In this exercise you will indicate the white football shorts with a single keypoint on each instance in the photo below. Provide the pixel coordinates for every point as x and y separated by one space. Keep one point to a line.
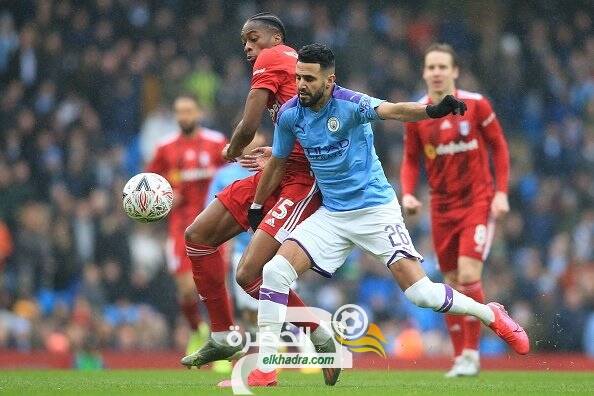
329 237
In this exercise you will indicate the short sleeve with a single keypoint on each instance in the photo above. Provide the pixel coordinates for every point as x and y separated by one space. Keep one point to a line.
268 73
366 109
284 138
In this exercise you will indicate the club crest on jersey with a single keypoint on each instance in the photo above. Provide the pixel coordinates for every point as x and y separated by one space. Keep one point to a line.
333 124
464 127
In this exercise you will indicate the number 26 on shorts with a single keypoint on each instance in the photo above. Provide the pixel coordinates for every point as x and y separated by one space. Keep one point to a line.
397 235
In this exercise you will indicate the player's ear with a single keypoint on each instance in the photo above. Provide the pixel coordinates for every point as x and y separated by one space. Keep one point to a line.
277 38
330 80
456 72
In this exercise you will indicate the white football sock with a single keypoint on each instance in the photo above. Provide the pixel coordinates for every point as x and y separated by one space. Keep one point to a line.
277 276
442 298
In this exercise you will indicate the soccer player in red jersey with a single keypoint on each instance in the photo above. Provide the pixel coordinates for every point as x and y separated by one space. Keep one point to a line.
188 160
465 200
273 83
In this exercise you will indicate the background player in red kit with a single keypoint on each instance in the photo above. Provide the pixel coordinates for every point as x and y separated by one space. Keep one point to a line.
273 83
188 160
464 199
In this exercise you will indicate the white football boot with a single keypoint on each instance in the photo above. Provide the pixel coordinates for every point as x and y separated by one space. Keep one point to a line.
466 365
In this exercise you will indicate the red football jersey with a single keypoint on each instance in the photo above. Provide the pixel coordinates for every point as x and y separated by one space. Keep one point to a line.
274 70
189 163
455 149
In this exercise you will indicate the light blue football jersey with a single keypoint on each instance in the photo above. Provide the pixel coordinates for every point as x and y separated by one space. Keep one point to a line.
338 142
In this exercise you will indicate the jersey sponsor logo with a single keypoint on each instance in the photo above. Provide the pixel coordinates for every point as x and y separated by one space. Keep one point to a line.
445 124
430 151
327 152
451 148
189 175
464 127
333 124
259 71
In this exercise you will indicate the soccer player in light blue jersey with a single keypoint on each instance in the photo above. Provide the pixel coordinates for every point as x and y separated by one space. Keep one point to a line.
359 205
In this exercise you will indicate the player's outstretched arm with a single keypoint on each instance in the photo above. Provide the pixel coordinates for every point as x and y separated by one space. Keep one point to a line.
244 132
272 176
413 111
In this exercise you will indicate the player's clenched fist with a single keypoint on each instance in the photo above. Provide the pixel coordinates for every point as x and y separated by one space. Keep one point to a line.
499 205
411 204
449 104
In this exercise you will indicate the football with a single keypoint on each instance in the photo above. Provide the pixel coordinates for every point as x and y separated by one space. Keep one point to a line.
147 197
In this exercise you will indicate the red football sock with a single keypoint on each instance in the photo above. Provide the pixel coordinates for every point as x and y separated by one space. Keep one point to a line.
472 326
253 289
455 324
190 310
209 274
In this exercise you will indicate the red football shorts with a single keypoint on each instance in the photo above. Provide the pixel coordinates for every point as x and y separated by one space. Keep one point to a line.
462 232
175 250
294 200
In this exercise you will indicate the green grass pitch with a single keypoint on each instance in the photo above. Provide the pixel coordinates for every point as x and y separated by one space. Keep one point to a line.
294 383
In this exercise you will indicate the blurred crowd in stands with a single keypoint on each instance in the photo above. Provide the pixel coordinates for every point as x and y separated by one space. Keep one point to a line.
87 88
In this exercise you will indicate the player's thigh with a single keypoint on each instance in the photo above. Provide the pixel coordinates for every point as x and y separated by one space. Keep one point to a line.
295 203
381 231
213 226
320 238
261 249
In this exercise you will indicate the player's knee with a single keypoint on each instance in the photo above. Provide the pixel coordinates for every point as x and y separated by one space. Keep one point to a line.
191 234
185 294
425 294
468 276
243 277
469 270
278 272
451 278
196 233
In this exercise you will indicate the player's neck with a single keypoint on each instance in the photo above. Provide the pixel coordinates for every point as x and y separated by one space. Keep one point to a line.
436 97
190 134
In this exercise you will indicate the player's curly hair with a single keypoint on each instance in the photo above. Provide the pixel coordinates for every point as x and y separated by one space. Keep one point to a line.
271 21
316 53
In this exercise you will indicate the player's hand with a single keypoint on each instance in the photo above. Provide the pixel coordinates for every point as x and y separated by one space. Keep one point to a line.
255 217
411 204
499 205
256 159
229 155
448 105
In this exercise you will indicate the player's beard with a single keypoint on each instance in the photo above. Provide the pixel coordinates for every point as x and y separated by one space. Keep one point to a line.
188 128
313 99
